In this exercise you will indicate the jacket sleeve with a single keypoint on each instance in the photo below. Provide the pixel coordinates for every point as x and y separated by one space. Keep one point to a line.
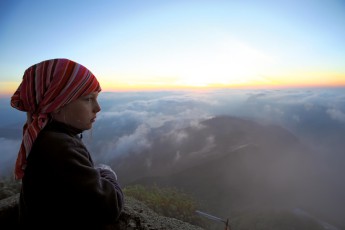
110 176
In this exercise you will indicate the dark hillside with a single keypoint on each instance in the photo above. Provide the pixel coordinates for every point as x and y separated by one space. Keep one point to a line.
233 166
216 138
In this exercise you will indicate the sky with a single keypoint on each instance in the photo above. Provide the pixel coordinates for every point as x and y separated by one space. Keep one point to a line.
174 44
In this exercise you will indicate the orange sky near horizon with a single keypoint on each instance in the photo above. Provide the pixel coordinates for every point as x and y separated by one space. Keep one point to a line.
170 83
303 79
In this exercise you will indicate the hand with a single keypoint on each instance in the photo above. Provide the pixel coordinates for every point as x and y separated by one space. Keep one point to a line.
103 167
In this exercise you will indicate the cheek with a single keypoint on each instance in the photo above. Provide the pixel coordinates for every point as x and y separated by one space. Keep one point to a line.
79 113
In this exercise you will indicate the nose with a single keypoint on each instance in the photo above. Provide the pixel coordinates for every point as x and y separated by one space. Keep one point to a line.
97 107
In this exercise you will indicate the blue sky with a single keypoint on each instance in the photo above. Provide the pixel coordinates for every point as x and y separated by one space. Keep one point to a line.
162 44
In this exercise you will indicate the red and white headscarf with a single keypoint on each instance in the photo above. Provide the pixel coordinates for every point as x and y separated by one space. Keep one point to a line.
45 87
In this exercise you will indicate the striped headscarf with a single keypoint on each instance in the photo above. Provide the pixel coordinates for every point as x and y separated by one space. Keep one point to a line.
45 87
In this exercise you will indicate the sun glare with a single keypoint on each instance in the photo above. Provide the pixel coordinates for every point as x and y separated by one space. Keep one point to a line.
227 63
223 64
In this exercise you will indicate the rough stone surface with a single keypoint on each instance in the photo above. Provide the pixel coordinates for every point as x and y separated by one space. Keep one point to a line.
136 216
9 212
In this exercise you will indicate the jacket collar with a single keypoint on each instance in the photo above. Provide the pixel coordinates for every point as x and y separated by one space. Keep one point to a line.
62 127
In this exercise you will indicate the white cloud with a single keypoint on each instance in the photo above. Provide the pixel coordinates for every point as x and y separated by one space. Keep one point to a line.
296 118
308 106
336 114
134 142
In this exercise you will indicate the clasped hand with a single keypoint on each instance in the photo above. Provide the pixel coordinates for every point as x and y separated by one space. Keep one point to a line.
104 167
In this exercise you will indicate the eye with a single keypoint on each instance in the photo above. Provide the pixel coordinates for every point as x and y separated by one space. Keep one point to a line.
88 98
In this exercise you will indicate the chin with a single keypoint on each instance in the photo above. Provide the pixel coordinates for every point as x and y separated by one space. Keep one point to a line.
85 127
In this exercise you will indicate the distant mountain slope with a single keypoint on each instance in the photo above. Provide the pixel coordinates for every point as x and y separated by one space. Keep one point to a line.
233 165
218 137
255 168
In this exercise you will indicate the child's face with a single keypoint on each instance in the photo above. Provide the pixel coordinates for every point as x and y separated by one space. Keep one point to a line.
80 113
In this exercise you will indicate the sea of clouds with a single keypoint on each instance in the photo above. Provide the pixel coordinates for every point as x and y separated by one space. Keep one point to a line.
315 115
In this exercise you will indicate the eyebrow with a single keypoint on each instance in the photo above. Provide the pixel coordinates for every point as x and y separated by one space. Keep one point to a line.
92 94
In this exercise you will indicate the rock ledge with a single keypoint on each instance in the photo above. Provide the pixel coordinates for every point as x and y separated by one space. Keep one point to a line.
136 216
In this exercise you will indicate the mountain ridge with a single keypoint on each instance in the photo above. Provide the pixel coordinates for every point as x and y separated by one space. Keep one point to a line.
233 165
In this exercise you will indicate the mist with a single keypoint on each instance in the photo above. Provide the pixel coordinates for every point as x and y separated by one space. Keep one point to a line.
280 147
315 116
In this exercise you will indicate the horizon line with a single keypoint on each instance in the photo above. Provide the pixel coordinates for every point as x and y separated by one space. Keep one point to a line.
203 88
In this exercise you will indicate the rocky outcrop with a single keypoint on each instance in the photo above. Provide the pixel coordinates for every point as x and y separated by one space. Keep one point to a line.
9 212
136 216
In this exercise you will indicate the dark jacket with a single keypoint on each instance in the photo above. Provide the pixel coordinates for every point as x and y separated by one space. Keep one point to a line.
61 189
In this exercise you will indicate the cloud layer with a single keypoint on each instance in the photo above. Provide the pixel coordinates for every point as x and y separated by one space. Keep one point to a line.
127 120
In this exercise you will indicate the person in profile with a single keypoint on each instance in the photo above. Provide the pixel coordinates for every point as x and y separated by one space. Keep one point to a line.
61 187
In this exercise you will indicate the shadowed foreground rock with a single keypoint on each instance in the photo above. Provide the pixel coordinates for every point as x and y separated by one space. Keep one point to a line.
136 216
